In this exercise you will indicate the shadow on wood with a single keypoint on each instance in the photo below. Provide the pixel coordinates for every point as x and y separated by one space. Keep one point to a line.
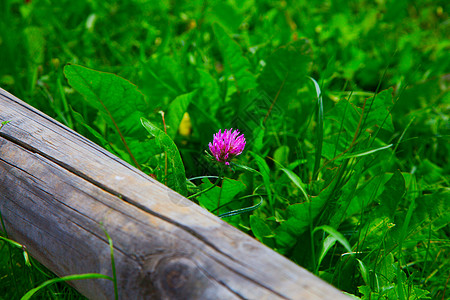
56 187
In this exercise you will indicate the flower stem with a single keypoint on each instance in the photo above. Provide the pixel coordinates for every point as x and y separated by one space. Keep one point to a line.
220 192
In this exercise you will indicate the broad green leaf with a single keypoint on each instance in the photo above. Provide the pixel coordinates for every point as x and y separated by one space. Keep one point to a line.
175 112
100 138
298 218
417 293
258 141
118 102
162 80
377 111
386 269
210 200
374 231
335 234
301 211
177 175
286 235
393 193
343 204
430 171
366 194
281 155
226 14
285 72
235 63
434 208
209 92
345 114
260 228
336 143
365 291
204 124
348 116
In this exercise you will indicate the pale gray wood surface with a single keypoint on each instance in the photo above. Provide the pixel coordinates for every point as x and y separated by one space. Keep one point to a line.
56 187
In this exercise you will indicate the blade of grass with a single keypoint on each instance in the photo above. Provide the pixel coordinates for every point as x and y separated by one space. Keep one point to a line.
241 211
11 242
201 177
31 292
297 181
265 172
364 271
319 129
238 166
113 264
365 152
336 234
328 242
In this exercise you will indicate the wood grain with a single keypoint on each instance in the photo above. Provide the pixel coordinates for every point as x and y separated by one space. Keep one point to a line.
56 187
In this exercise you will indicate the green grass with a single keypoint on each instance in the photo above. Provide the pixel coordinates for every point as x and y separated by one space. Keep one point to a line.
352 167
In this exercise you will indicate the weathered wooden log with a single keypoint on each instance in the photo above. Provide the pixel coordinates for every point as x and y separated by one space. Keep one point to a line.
56 187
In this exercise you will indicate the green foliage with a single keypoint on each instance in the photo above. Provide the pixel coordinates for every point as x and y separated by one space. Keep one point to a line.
352 168
393 192
176 167
260 229
3 124
220 196
119 105
176 110
285 71
236 65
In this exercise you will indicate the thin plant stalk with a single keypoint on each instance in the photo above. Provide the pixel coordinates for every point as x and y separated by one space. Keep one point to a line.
113 263
221 188
319 130
165 152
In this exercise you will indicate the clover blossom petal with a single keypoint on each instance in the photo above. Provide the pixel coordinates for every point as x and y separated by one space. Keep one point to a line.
226 145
